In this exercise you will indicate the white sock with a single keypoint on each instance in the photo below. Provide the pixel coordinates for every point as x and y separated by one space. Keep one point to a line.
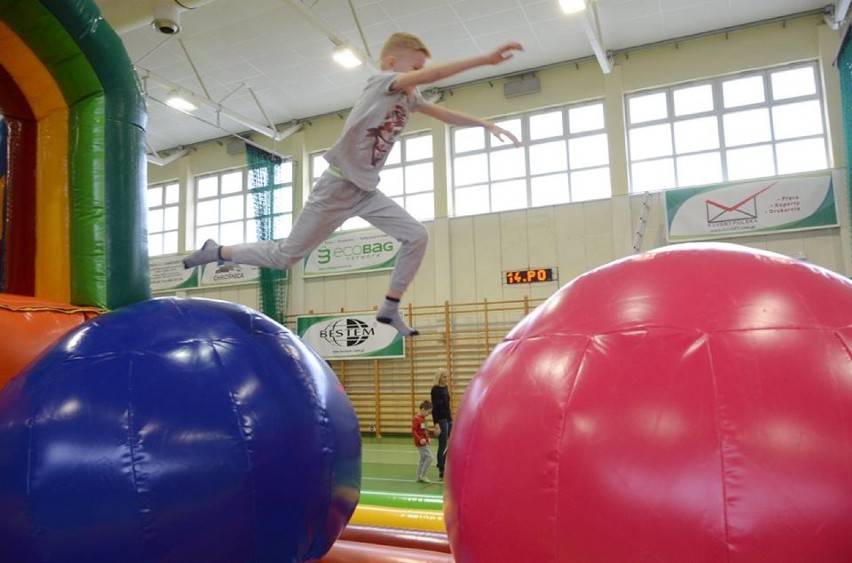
388 313
209 252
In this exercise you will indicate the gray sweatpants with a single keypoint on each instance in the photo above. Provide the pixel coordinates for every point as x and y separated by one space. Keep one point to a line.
332 201
424 462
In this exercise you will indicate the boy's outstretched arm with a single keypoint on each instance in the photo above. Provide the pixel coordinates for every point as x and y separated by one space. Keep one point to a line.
452 117
439 71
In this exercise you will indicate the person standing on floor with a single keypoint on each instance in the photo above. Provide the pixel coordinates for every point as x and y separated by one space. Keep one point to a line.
442 414
349 187
420 432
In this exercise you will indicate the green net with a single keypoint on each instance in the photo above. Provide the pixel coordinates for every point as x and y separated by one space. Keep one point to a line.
264 171
844 66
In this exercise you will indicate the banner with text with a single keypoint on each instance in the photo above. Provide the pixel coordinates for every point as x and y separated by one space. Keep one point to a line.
750 208
350 337
168 273
229 273
350 252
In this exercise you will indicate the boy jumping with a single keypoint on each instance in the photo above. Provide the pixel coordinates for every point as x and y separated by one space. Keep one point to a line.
348 187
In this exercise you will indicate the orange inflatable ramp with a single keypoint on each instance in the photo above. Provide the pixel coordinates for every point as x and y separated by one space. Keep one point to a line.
29 325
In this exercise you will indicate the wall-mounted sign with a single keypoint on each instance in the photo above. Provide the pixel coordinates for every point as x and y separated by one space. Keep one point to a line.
168 273
792 203
350 337
530 275
350 252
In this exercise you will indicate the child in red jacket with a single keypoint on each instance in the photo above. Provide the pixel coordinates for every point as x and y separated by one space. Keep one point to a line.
420 432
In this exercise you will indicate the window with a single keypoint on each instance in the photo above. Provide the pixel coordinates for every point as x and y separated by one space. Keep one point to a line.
163 212
225 209
753 125
407 178
564 158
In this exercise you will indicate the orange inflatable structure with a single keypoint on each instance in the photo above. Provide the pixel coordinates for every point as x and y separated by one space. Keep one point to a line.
29 325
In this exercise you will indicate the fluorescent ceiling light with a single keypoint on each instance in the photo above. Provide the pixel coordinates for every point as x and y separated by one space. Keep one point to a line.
572 6
178 101
345 56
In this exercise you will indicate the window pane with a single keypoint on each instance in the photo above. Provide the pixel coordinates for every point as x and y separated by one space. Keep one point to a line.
318 165
586 118
231 208
172 194
511 125
395 156
792 83
258 176
391 181
421 206
797 120
204 233
590 184
548 157
743 91
419 178
155 220
651 141
208 187
508 163
207 212
418 148
695 99
508 195
283 173
747 127
282 200
699 169
231 233
546 125
648 107
281 226
692 135
653 175
588 151
170 220
472 200
751 162
353 224
469 139
170 242
550 190
232 182
154 196
155 244
801 156
251 230
471 169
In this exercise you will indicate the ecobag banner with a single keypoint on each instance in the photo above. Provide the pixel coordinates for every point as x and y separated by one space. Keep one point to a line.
348 252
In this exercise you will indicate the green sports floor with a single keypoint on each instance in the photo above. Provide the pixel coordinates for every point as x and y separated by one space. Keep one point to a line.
389 465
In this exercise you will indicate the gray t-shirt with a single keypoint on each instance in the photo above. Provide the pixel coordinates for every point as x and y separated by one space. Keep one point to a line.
373 125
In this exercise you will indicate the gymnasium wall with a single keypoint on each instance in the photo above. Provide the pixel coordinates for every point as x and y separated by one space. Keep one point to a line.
467 255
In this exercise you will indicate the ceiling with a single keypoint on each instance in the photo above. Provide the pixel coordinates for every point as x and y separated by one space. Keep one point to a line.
268 61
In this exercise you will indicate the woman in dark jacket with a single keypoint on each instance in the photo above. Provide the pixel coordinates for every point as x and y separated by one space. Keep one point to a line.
442 414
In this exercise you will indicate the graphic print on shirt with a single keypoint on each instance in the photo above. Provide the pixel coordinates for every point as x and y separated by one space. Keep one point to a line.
387 133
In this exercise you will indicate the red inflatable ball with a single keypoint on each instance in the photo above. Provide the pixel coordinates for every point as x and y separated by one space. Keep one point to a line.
692 403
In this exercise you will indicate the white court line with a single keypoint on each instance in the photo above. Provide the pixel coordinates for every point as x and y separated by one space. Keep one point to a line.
398 480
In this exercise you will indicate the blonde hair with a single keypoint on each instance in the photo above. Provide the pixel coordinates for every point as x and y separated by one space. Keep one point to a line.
403 40
439 373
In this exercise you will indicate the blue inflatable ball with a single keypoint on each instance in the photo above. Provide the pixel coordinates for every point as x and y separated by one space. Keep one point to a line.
176 431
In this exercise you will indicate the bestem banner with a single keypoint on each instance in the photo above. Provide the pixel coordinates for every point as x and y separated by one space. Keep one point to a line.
792 203
350 252
350 337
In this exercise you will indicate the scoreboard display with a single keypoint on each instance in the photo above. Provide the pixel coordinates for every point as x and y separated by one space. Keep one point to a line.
530 275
